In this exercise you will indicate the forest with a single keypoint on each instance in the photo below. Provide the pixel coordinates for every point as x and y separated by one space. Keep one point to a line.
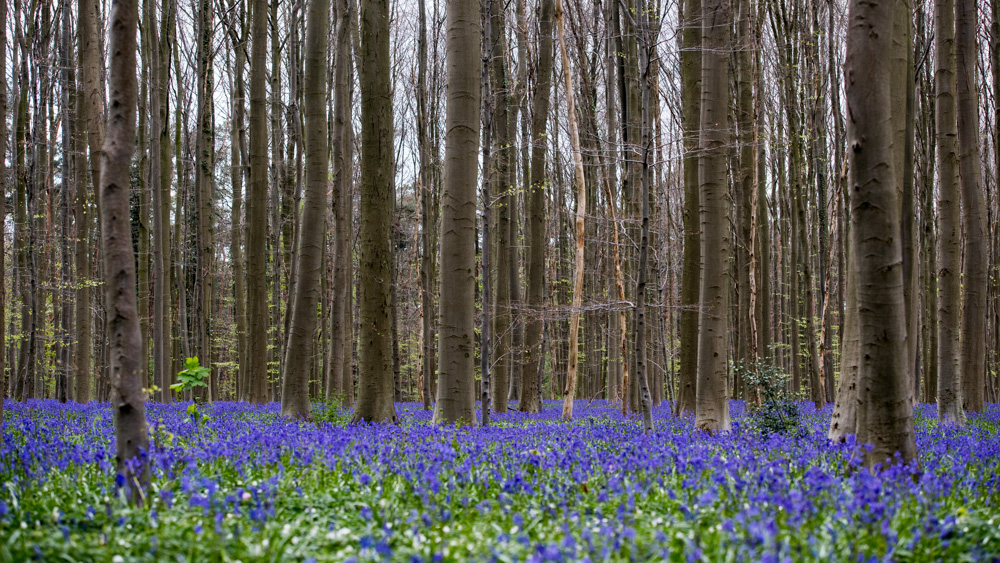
538 280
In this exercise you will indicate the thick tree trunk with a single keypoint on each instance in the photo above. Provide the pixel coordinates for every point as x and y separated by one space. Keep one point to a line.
885 419
974 273
127 397
712 395
309 257
375 387
456 317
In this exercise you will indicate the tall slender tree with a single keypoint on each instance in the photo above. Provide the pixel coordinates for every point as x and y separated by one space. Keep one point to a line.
569 392
690 40
948 268
92 114
257 314
974 266
128 400
311 238
530 399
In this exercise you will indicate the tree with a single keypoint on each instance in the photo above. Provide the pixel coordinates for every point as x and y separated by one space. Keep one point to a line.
712 397
428 212
340 309
569 393
974 273
205 232
949 382
309 258
530 401
92 115
456 317
3 190
257 316
690 41
375 388
885 420
125 340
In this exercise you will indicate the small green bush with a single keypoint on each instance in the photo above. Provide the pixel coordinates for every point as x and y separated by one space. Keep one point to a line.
778 411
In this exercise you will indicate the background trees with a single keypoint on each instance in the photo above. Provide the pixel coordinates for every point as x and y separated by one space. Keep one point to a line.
749 219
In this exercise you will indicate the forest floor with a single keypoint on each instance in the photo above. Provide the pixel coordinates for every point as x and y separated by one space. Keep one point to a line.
238 482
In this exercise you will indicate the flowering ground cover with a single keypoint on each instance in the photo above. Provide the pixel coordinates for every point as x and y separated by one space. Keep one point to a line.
245 484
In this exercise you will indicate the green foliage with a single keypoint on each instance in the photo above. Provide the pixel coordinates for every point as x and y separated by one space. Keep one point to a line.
193 375
331 412
778 412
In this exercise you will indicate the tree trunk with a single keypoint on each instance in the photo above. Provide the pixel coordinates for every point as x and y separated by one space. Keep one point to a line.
949 245
456 317
205 234
885 419
257 313
974 273
691 58
530 399
712 400
340 308
646 48
127 397
375 387
569 391
500 101
3 190
427 217
309 257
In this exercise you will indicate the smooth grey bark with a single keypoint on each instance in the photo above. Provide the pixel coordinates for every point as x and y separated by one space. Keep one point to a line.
311 238
949 244
456 316
712 395
690 39
974 266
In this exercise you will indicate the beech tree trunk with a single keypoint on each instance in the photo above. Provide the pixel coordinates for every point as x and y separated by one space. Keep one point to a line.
530 400
974 266
949 244
128 400
340 306
309 257
375 386
885 419
257 210
690 39
712 395
456 402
